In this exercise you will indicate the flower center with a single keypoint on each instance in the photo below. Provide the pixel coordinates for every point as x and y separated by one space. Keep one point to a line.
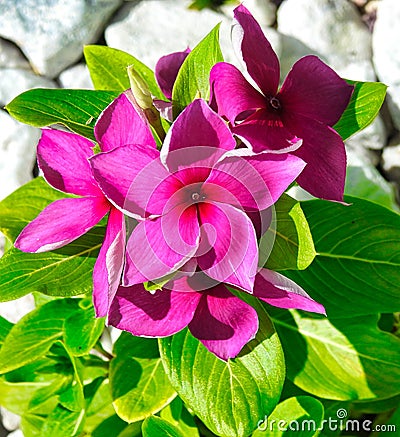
275 103
195 196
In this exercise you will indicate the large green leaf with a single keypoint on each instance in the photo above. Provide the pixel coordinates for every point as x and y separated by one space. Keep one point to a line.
364 106
155 426
139 385
178 415
357 267
293 247
62 423
342 359
108 69
299 416
76 109
193 77
229 397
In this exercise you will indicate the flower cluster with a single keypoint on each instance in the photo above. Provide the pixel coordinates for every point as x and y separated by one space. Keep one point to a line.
198 205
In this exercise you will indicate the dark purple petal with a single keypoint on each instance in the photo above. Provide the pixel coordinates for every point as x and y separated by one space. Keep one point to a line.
109 264
250 42
63 158
324 152
279 291
314 90
223 323
60 223
198 136
234 96
167 69
142 313
120 124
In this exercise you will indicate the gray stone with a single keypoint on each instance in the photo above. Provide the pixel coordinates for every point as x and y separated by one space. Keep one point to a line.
391 161
333 30
10 420
386 38
10 56
17 153
373 136
150 29
76 77
264 11
51 33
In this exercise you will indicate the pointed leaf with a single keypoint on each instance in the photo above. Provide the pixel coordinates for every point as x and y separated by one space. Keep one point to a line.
193 77
155 426
76 109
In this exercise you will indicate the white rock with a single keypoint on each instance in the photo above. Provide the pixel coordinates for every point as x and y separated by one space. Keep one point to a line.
16 81
16 433
386 38
150 29
10 420
373 136
264 11
11 57
391 161
51 33
332 29
17 153
76 77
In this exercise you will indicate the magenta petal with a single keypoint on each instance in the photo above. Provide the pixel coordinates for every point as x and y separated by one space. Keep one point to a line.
228 249
279 291
60 223
167 69
120 172
324 152
142 313
234 96
161 246
120 124
63 158
223 323
250 42
314 90
254 182
201 142
108 268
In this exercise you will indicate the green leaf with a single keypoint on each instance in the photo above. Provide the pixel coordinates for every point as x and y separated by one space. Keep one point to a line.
193 80
155 426
364 106
357 267
139 385
229 397
76 109
32 337
62 423
5 328
342 359
177 414
108 69
293 247
299 416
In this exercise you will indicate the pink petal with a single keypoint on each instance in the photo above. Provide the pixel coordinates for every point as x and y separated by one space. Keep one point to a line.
252 182
60 223
63 158
167 69
165 109
128 176
161 314
234 96
161 246
120 124
223 323
250 42
279 291
228 249
198 136
324 152
265 130
314 90
108 268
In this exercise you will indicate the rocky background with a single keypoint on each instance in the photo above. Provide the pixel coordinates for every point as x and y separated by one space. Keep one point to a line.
41 45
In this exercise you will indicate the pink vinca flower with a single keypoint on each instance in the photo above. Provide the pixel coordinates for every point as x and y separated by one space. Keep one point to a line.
192 199
63 159
310 101
219 319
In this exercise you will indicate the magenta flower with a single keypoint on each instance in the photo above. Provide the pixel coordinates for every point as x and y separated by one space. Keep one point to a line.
310 101
63 159
219 319
192 199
